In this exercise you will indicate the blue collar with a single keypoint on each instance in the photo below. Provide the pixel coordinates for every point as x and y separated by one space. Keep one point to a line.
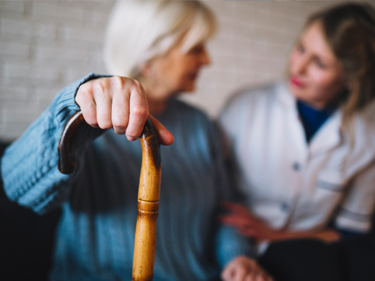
312 118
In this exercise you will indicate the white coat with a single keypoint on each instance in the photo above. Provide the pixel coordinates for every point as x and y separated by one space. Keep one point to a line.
292 184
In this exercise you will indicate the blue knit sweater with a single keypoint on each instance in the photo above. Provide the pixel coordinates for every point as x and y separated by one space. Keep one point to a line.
95 237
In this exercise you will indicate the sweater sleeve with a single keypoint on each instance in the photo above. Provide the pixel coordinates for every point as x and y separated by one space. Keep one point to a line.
29 165
229 243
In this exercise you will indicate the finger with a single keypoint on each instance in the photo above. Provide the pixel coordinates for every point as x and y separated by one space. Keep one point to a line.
233 219
250 232
240 274
232 205
85 100
138 111
165 136
238 208
261 277
250 277
120 111
246 230
103 100
227 273
228 205
233 224
238 217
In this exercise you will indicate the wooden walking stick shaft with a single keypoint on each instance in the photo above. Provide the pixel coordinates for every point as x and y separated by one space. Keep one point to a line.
148 206
148 193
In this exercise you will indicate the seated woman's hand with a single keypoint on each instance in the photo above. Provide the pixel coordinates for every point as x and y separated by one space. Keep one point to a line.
119 103
248 225
243 268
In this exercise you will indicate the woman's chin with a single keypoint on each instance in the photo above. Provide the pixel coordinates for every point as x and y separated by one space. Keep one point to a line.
189 88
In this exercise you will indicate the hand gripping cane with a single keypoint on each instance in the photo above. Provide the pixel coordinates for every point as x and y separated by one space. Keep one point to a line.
148 191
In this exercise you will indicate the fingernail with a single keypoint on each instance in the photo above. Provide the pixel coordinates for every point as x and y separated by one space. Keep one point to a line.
119 131
131 138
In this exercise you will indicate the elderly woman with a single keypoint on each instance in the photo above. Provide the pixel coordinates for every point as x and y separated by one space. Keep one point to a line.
162 45
304 148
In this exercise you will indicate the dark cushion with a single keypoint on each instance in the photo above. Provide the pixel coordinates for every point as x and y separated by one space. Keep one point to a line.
26 239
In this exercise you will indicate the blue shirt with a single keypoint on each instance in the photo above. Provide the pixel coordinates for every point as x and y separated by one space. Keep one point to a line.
313 118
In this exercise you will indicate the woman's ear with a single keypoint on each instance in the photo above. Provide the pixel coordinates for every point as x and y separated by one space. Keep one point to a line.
148 71
145 69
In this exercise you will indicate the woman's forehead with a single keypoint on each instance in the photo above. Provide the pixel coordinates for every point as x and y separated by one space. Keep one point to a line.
314 40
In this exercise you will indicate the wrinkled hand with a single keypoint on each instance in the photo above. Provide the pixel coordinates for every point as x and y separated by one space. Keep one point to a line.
248 225
119 103
243 268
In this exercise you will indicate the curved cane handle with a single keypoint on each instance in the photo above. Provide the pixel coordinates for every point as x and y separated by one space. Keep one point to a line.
148 191
66 147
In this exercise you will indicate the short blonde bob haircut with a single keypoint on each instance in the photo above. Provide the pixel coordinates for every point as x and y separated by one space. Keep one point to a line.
140 30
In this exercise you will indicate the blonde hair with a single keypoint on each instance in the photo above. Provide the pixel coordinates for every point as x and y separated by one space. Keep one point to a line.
140 30
350 32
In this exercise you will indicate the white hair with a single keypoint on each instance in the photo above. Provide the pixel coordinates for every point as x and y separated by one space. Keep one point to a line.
140 30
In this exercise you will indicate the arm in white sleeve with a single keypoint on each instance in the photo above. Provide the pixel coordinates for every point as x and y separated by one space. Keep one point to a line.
357 208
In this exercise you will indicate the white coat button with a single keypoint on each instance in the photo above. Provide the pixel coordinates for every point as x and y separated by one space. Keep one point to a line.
284 207
296 166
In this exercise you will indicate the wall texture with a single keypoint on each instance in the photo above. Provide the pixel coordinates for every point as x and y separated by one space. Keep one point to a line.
45 45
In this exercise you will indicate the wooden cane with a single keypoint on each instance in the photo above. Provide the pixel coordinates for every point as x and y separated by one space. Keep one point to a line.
148 192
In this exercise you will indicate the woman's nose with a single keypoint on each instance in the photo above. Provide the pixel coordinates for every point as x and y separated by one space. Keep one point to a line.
205 57
301 65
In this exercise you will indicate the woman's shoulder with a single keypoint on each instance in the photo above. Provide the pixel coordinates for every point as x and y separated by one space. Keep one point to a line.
250 97
364 126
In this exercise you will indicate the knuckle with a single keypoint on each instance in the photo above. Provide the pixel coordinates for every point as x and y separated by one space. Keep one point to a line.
104 123
104 126
99 86
137 86
139 111
90 119
91 122
84 93
119 122
225 275
119 81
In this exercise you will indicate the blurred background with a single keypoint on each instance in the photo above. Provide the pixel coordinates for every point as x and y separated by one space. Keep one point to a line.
46 45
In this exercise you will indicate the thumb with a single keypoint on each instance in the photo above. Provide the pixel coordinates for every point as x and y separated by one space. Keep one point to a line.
165 136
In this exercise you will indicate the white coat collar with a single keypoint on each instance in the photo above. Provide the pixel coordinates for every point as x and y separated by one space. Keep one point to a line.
327 137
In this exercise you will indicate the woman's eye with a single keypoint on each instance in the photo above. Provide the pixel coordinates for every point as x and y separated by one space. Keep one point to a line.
320 64
196 49
300 48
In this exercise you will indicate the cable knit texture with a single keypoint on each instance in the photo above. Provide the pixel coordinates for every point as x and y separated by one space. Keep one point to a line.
95 237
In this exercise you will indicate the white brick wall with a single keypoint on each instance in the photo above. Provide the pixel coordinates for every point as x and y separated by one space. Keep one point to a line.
45 45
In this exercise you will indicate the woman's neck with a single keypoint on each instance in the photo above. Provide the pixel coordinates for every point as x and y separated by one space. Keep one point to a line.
157 97
158 101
